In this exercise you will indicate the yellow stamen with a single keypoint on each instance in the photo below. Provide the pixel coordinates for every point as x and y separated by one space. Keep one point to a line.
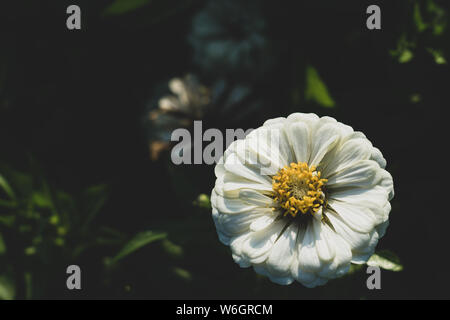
298 187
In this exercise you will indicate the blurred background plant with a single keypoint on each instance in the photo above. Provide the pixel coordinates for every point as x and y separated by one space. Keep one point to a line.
86 118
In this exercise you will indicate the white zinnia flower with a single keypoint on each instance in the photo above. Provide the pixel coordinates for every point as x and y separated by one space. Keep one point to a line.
305 206
190 97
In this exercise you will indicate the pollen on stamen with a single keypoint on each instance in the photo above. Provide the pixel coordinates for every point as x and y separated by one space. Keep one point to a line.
298 188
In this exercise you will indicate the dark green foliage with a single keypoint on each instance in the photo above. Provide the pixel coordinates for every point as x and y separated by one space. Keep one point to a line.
77 185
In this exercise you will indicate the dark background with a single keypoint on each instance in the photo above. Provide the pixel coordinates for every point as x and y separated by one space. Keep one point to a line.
74 135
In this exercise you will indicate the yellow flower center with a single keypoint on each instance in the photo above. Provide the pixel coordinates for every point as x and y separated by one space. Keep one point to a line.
298 187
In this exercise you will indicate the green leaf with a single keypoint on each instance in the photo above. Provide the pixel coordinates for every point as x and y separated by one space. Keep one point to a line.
438 56
316 90
403 51
2 245
140 240
6 187
420 24
7 220
7 288
203 201
354 268
124 6
7 204
415 98
172 249
405 56
94 199
385 259
42 199
182 273
438 17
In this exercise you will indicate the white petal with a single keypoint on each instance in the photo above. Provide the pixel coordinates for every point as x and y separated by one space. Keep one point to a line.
348 154
233 182
341 262
323 141
381 228
375 199
234 165
266 149
324 246
253 197
378 157
235 224
229 185
257 246
365 173
262 222
300 275
358 218
281 280
276 142
308 258
262 270
310 119
356 240
282 253
229 205
236 245
298 135
219 170
362 196
362 255
275 121
241 261
250 152
223 237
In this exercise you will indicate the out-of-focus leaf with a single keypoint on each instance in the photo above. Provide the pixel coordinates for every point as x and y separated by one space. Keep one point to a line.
140 240
172 249
6 187
415 98
21 184
385 259
42 200
7 204
438 56
439 18
28 278
124 6
95 197
316 90
7 220
418 20
2 245
203 201
30 251
7 288
403 52
182 273
430 16
405 56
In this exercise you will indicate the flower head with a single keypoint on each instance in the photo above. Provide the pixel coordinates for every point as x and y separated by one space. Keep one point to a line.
189 100
301 198
229 36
